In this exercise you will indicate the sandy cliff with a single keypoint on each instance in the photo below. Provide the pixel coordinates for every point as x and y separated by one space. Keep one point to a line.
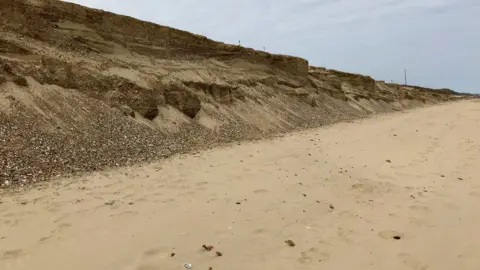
83 89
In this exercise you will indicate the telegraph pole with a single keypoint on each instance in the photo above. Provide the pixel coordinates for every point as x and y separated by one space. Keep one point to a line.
405 76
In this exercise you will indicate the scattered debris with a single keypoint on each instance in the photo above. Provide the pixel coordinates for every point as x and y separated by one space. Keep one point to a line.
188 266
413 197
207 248
290 243
110 203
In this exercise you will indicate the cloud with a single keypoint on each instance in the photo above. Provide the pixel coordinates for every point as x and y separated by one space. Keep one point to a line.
436 40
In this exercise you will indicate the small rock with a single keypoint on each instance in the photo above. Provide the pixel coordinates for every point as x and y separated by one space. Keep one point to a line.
219 254
332 207
239 203
131 203
172 254
442 176
207 248
290 243
459 178
388 161
396 237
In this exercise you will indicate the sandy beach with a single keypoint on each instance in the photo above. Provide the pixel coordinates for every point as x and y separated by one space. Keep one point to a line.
396 191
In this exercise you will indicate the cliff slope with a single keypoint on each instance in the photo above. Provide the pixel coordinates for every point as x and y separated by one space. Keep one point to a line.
83 89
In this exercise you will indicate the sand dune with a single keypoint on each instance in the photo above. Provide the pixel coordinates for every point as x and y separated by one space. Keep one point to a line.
399 191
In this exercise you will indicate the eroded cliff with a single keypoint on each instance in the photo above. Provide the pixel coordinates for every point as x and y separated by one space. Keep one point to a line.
83 89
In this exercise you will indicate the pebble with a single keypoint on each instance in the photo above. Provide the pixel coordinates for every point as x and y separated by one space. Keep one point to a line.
290 243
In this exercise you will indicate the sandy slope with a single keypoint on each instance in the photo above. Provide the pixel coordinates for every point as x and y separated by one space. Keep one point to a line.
247 199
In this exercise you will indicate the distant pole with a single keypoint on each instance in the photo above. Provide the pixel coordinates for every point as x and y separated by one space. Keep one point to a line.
264 49
239 44
405 76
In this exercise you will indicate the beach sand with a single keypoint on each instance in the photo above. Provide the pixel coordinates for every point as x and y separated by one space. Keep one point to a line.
396 191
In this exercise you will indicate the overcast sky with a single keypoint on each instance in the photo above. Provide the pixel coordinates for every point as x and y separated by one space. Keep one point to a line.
438 41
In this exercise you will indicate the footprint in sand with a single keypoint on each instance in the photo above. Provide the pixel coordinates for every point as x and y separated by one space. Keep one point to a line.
155 251
43 239
345 235
11 254
313 255
420 208
260 232
474 194
61 228
260 191
201 184
411 262
420 222
151 266
152 259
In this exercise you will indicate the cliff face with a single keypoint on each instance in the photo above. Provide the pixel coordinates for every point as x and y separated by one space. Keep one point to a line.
83 89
